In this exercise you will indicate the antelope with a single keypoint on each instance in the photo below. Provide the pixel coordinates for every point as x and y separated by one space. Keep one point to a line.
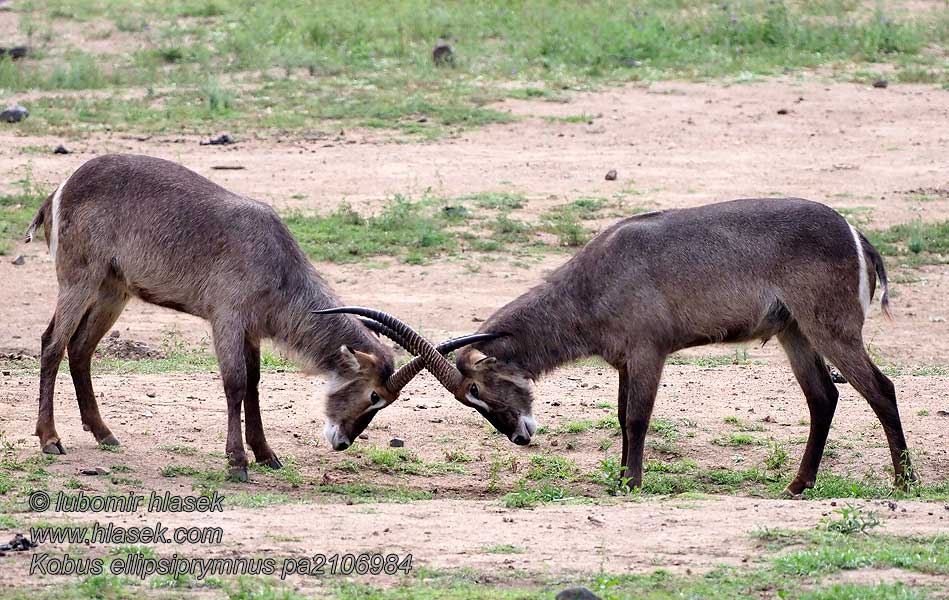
658 282
123 226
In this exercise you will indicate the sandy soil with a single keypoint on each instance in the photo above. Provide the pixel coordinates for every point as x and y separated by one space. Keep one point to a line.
678 145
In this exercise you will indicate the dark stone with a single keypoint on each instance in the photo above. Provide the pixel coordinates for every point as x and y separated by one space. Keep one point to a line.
15 53
221 140
783 111
577 593
611 175
61 150
396 443
14 114
19 543
19 260
93 471
881 83
443 55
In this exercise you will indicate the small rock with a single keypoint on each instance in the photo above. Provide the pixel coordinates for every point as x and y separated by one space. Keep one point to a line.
61 150
422 120
942 413
6 373
881 83
15 53
891 505
19 260
577 593
221 140
783 111
14 114
93 471
611 175
114 334
146 413
443 55
396 443
19 543
554 443
150 394
596 521
364 436
769 419
477 320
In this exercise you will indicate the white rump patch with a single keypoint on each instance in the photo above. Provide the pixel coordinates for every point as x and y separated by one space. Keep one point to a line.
54 226
864 290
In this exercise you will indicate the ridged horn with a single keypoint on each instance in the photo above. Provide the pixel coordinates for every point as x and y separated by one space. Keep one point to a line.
409 370
408 338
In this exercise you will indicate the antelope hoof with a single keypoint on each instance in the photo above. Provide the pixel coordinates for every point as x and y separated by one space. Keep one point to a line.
273 462
789 494
54 448
109 440
237 474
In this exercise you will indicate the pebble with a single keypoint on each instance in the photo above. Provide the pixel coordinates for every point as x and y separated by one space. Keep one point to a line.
61 150
611 175
442 55
19 260
396 443
881 83
577 593
14 114
93 471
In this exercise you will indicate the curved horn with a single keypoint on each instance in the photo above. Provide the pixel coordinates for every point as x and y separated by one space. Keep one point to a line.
409 370
444 372
377 327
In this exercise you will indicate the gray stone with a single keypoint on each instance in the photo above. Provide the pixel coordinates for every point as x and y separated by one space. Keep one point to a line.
577 593
19 260
396 443
14 114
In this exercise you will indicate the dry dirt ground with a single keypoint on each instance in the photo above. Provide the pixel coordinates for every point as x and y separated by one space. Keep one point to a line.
674 145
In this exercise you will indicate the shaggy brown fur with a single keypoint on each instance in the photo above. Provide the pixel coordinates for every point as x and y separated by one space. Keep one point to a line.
655 283
127 226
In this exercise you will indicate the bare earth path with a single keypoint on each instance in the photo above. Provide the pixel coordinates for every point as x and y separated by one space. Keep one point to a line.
674 145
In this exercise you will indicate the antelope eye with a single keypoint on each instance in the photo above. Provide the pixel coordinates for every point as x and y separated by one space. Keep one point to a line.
473 390
374 398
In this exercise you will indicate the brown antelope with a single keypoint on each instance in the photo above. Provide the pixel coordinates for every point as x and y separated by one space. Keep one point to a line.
123 226
659 282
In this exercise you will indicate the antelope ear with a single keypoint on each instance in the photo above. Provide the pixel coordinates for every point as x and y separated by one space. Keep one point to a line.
367 362
349 358
356 360
480 360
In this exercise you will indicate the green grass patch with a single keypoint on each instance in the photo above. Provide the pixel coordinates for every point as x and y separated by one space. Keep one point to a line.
257 500
210 65
543 467
360 493
406 462
913 243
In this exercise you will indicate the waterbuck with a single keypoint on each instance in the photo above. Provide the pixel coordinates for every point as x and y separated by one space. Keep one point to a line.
659 282
123 226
